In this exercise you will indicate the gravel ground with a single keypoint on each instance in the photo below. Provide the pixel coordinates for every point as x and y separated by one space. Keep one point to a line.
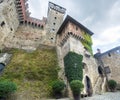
106 96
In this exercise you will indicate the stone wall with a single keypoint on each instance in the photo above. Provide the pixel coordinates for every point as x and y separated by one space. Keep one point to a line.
70 40
26 37
70 27
8 19
54 21
90 68
112 60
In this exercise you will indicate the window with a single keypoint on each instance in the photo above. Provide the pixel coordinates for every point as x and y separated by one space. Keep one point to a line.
42 26
1 1
109 54
107 70
51 38
55 17
76 28
83 65
2 24
53 29
11 29
53 23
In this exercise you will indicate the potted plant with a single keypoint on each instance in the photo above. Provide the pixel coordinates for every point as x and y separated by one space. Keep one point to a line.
6 88
112 84
76 87
57 88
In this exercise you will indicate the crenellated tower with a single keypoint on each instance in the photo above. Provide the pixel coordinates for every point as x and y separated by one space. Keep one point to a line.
55 17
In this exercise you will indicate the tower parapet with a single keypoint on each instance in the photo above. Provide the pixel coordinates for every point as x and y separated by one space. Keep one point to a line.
57 7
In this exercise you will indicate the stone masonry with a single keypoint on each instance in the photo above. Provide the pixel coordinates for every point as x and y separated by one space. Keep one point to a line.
19 30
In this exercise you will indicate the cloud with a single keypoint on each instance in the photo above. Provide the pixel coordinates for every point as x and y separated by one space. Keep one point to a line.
88 20
108 39
100 16
114 12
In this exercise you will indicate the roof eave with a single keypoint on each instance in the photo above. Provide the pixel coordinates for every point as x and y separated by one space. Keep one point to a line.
67 19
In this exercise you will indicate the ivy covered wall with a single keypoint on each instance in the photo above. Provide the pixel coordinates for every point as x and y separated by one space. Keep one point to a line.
73 66
87 42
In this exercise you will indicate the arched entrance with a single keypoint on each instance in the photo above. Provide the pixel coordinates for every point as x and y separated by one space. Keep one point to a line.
1 67
88 86
100 70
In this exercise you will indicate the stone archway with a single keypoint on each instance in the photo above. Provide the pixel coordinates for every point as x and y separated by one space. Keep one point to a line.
100 70
88 86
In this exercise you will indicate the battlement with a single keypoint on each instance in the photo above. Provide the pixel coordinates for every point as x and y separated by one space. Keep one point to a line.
57 7
22 9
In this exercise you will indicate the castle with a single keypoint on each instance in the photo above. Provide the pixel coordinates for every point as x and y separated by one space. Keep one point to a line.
19 30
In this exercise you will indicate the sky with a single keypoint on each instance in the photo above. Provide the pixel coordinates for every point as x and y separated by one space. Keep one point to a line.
102 17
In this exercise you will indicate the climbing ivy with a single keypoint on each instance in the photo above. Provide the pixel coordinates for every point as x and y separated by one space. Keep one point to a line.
87 42
73 66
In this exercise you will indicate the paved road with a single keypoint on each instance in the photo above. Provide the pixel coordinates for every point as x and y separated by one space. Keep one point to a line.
106 96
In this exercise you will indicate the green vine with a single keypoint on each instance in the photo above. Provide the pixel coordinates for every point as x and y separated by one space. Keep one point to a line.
87 42
73 66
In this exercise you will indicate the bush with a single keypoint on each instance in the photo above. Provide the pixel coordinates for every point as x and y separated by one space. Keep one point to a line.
76 86
6 88
58 86
112 85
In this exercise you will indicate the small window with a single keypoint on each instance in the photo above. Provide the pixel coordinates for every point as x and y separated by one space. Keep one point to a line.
2 24
42 26
39 25
107 70
76 28
11 29
21 22
1 1
53 23
53 29
51 38
109 54
55 17
83 65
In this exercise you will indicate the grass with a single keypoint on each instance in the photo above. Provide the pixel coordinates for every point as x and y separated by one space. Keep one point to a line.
33 72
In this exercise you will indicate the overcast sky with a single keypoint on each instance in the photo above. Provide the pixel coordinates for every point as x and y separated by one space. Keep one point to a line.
102 17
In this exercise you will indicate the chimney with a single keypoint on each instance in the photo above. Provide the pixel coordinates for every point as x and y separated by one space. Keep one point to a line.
98 50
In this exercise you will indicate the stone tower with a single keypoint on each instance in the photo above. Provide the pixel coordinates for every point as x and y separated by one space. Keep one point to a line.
55 17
